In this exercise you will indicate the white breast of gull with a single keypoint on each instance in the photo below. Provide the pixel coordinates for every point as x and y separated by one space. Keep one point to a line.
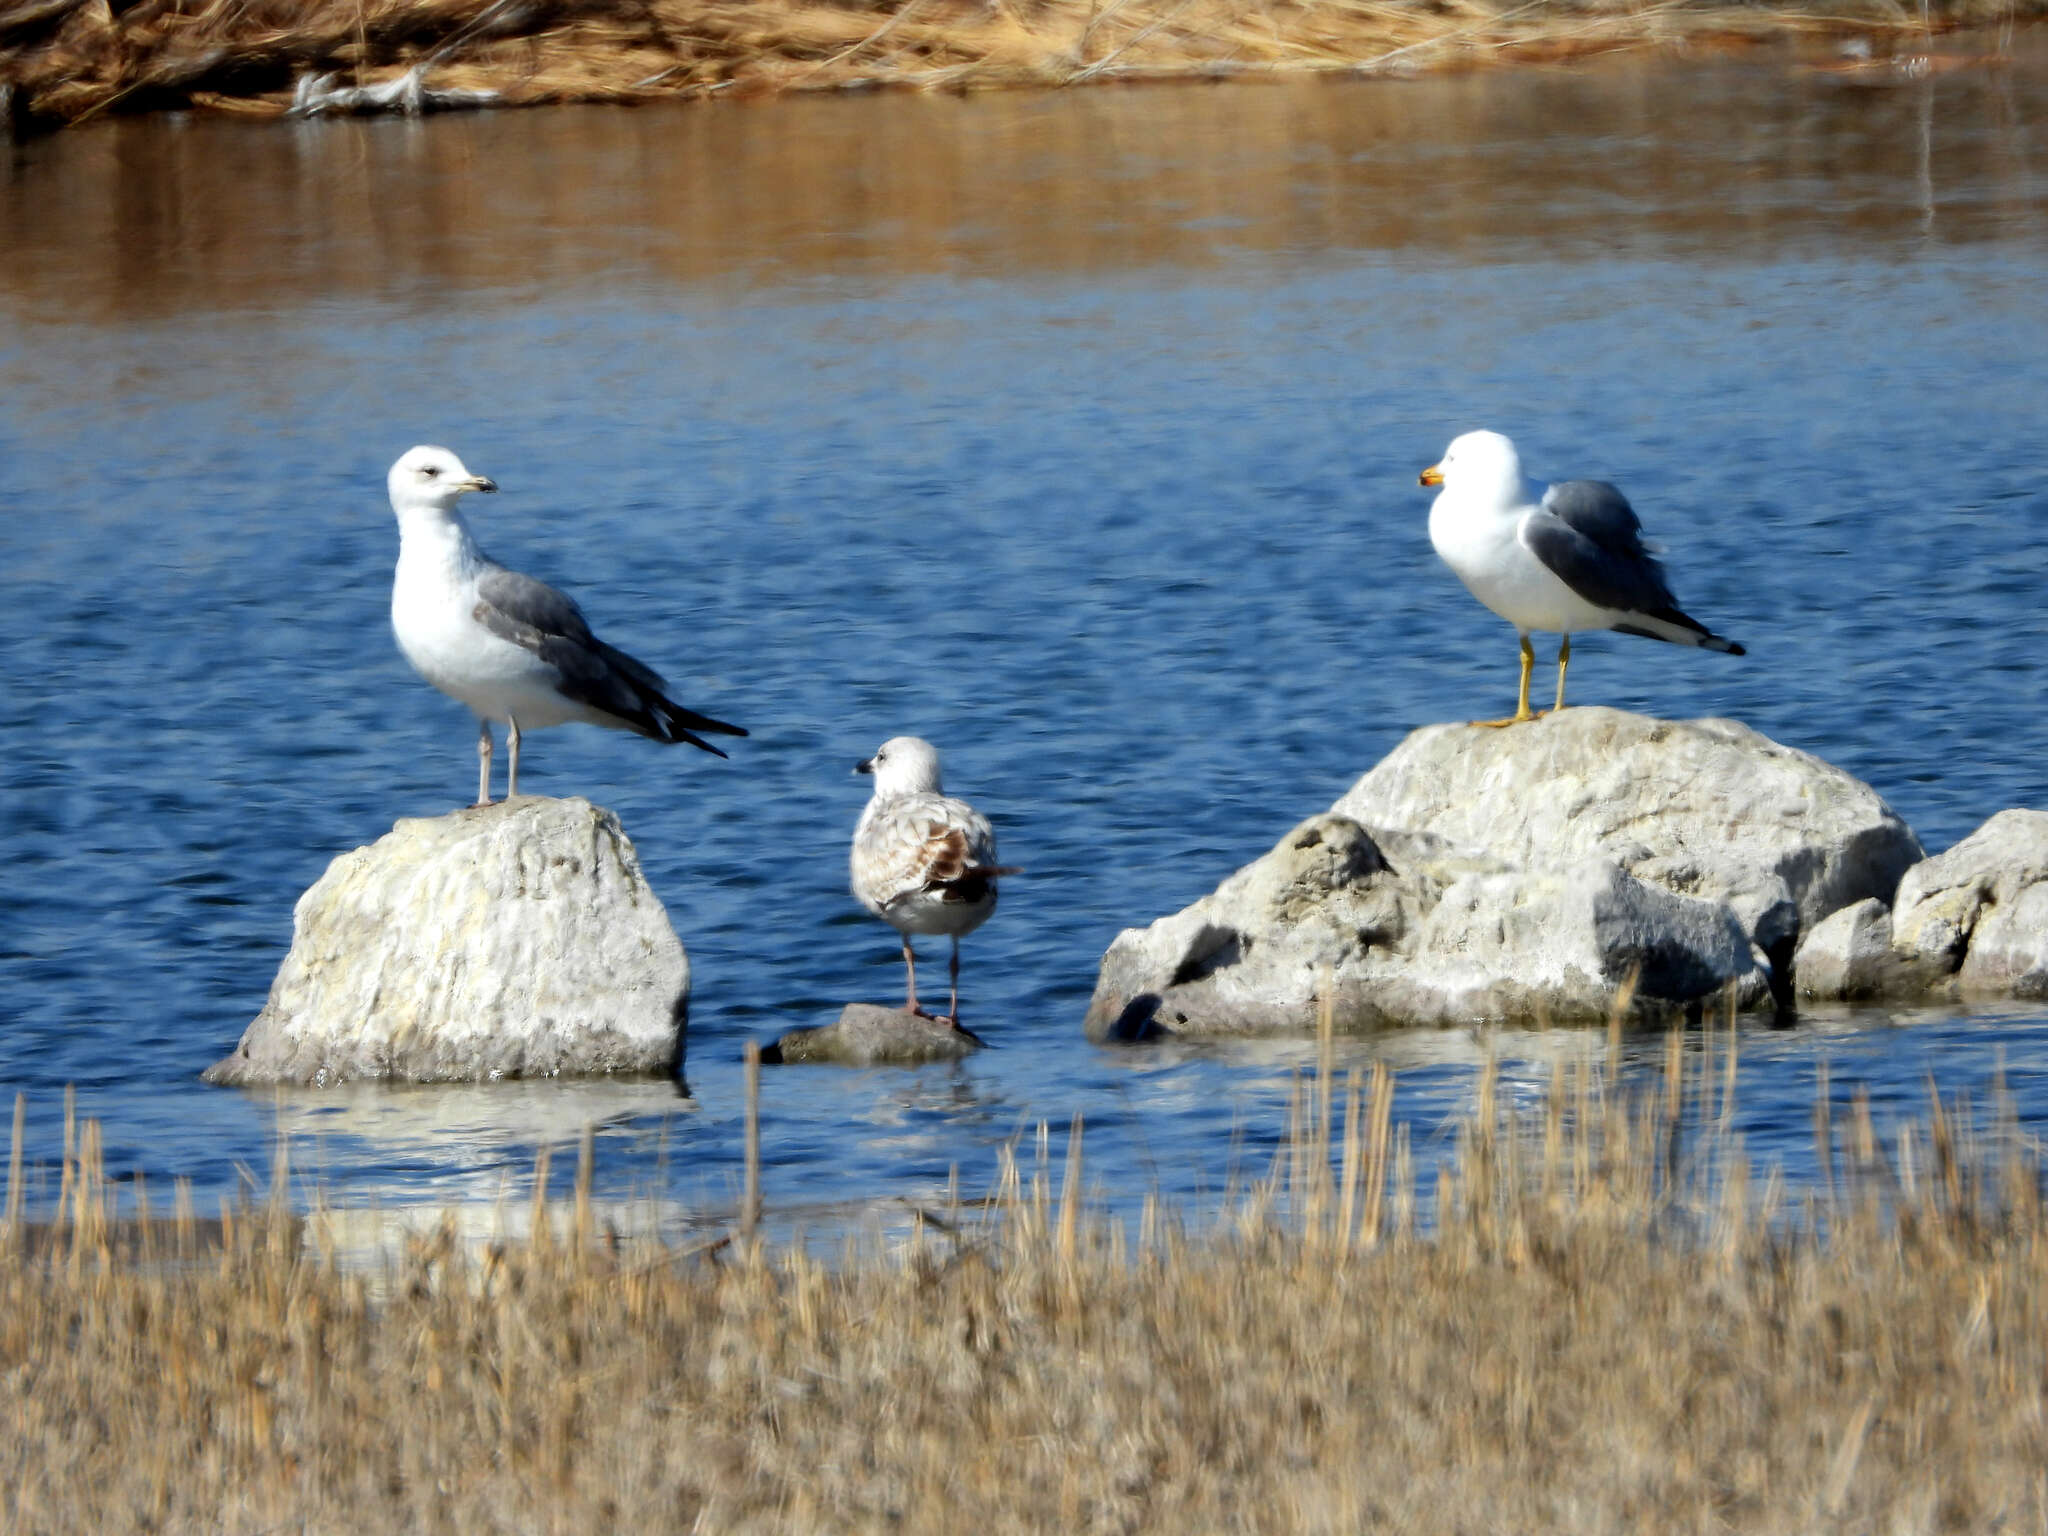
515 650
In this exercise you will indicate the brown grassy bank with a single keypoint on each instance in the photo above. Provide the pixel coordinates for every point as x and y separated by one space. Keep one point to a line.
67 61
1599 1336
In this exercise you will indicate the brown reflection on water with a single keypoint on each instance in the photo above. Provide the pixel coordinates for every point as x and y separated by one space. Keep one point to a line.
155 217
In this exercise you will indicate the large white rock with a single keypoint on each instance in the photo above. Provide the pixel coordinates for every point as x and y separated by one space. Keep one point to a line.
512 940
1974 921
1705 808
1522 874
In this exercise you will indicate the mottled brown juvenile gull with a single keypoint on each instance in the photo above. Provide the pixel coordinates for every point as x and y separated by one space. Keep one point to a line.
1571 560
513 649
923 862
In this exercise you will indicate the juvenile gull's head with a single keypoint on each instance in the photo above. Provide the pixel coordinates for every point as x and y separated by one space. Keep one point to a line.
903 765
430 480
1482 468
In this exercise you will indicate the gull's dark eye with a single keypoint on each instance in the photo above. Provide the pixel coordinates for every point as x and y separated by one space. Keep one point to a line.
431 470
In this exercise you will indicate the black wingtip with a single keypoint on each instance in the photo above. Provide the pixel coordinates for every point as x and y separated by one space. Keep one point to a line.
1736 648
681 724
681 719
698 742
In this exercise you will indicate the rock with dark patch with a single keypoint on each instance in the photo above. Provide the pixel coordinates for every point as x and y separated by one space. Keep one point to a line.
1706 808
1522 874
512 940
868 1035
1973 921
1430 936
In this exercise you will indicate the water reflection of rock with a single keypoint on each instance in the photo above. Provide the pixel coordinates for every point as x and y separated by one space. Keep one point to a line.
471 1141
463 1156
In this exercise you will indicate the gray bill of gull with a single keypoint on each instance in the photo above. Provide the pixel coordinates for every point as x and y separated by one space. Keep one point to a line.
1573 559
923 862
513 649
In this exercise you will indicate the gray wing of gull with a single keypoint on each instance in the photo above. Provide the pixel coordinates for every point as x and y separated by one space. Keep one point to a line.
1588 535
537 617
528 612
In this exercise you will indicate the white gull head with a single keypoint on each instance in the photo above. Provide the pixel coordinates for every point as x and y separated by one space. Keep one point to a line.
1480 469
903 765
430 480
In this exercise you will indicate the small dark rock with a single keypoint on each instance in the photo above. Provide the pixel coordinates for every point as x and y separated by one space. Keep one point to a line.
867 1035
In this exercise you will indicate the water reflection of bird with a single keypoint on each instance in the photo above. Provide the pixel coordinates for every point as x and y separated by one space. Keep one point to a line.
1572 560
513 649
923 862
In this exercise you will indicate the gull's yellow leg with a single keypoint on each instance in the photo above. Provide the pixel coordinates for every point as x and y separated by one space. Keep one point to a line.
1522 709
1564 659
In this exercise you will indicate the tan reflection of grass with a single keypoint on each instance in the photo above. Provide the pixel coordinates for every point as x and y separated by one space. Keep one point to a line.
1609 1328
69 60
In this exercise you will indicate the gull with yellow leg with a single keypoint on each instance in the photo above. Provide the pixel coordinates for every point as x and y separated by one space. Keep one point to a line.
1570 560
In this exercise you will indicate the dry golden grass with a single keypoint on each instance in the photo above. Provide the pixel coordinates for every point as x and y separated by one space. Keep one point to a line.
1610 1328
65 61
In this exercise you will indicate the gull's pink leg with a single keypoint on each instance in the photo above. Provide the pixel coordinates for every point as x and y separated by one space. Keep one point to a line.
953 1015
910 970
483 762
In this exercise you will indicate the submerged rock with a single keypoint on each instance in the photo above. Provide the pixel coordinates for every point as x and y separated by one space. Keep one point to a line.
511 940
868 1035
1522 874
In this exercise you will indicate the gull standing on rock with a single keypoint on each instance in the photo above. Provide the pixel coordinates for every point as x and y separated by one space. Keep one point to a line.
513 649
922 861
1573 560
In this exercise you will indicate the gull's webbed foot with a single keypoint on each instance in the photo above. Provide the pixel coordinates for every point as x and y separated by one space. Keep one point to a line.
1522 710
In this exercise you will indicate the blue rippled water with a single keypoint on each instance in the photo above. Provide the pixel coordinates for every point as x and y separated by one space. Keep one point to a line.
1078 433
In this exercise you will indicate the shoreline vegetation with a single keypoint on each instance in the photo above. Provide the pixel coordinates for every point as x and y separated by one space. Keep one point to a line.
65 62
1592 1318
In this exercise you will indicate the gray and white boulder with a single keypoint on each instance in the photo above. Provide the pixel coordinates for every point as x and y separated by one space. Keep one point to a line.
1848 956
1973 922
511 940
1706 808
1522 874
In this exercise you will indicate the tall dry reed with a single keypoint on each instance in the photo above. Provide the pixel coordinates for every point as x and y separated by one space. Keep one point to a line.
68 61
1601 1322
